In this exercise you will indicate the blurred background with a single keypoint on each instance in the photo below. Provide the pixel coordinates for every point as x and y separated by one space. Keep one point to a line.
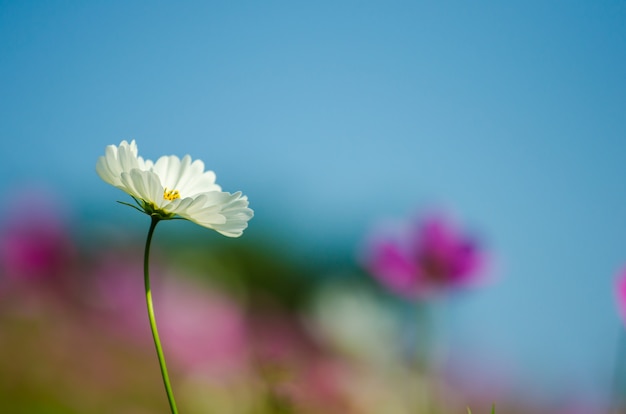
336 119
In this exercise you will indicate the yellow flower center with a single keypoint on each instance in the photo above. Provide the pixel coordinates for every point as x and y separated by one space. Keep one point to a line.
170 194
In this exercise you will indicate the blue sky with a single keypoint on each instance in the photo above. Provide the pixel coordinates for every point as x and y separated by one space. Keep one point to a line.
334 114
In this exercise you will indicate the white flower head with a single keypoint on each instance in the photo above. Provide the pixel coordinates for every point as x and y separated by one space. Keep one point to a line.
174 188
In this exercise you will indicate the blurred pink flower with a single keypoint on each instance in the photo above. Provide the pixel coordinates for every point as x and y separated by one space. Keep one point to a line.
292 364
202 330
35 243
429 257
620 293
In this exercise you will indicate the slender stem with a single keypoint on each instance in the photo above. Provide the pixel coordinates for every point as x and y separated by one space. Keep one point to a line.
618 390
423 353
153 326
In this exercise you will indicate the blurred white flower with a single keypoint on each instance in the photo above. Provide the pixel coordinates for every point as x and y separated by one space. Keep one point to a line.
355 322
174 188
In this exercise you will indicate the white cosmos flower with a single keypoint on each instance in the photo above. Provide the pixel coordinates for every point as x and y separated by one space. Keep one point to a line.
173 187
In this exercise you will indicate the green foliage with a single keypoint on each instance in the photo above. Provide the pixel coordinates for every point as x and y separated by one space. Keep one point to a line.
493 410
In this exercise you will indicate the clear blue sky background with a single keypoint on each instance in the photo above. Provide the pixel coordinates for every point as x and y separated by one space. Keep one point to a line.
330 115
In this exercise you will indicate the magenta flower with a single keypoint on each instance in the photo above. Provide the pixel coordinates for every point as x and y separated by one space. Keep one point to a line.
428 257
35 243
620 293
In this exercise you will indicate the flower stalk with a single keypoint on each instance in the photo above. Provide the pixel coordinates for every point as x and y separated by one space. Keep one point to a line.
153 326
169 189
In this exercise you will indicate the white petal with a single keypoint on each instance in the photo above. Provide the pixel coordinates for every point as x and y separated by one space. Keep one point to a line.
199 181
144 185
201 184
105 172
188 177
237 216
144 164
171 170
107 166
223 212
196 210
118 159
127 156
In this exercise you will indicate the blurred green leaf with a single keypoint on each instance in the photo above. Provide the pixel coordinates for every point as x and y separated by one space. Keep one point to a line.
493 409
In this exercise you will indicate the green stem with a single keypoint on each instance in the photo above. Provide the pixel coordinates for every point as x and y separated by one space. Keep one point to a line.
618 391
153 326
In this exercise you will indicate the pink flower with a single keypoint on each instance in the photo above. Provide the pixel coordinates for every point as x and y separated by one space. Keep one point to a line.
620 293
203 330
293 367
35 243
428 257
